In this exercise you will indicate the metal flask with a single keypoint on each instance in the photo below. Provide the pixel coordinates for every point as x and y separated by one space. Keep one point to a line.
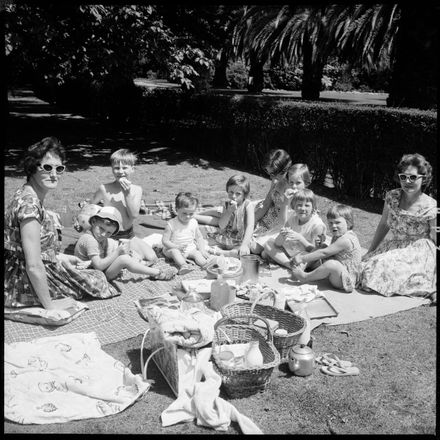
301 360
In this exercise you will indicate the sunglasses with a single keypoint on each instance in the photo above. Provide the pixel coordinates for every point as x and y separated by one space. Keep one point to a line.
59 169
411 177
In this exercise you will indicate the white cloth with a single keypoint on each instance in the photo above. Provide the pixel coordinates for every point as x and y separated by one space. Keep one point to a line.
200 400
63 378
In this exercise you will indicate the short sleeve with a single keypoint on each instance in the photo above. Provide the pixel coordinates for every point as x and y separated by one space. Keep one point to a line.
29 208
112 245
86 247
431 209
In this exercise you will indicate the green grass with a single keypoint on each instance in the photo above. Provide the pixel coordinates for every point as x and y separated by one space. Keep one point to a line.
396 354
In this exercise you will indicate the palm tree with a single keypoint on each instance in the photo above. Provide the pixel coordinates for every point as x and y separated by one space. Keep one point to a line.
400 36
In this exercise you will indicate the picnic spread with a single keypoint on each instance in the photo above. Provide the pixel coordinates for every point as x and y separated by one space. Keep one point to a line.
224 327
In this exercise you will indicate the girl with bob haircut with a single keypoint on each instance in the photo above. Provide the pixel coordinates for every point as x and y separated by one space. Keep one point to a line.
341 259
405 263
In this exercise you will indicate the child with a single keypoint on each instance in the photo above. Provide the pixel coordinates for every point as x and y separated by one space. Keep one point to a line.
297 177
182 237
237 219
107 255
121 193
301 231
342 257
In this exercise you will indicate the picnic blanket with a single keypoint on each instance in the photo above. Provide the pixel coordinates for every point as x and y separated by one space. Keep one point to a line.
114 319
352 307
63 378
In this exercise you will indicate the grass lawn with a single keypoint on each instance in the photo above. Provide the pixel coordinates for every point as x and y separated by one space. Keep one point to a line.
396 354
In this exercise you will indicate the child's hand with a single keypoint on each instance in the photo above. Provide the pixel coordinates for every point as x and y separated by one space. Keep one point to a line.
296 260
124 247
294 236
125 183
244 250
205 253
284 232
232 205
289 193
84 264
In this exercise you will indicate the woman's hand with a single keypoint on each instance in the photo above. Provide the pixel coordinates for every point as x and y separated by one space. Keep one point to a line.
69 261
61 304
123 248
294 236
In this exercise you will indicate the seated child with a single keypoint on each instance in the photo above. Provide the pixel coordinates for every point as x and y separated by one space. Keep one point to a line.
122 194
96 248
182 238
341 259
301 231
237 219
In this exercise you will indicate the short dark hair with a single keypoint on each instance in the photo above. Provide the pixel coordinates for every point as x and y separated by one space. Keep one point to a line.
241 181
304 195
344 211
279 160
185 200
37 151
418 161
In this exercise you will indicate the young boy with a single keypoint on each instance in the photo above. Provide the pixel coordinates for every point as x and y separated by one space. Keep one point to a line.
121 193
97 249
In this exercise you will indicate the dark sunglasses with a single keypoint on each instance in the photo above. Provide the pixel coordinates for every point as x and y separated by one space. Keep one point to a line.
59 169
411 177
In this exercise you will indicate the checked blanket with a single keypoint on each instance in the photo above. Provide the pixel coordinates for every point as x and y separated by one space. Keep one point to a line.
114 319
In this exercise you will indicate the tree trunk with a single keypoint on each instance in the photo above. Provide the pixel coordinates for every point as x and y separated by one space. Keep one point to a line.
414 78
256 75
220 79
312 74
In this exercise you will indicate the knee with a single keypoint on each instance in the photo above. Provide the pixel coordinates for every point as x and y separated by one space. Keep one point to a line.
332 265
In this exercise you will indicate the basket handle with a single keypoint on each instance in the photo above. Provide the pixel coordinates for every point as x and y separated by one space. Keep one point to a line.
261 296
249 316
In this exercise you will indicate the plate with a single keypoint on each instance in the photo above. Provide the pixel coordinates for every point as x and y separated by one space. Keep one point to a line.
233 268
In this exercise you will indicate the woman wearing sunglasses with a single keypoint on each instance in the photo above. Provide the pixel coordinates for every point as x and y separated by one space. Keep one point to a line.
36 273
405 263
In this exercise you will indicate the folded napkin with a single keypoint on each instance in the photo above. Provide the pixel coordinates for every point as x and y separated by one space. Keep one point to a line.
302 294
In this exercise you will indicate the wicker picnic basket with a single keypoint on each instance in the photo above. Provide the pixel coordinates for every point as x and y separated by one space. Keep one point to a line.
292 323
243 381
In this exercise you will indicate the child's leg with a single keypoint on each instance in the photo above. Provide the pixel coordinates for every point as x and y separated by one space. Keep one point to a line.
256 248
331 269
175 255
143 249
126 262
197 256
276 253
207 219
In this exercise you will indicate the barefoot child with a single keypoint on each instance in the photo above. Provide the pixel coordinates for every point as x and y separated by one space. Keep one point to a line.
182 238
297 177
342 257
237 219
97 249
121 193
300 232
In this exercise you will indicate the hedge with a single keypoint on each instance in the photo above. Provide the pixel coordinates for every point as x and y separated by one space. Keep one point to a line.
358 144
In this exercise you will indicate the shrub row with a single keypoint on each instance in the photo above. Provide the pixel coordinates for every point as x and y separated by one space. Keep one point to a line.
358 144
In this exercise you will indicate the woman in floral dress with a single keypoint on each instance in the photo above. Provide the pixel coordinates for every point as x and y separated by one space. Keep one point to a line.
405 263
36 273
269 213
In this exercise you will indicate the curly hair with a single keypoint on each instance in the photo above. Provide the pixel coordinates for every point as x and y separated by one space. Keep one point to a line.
37 151
418 161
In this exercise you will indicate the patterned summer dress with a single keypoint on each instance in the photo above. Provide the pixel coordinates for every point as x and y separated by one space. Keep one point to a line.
63 282
270 224
236 226
351 260
405 264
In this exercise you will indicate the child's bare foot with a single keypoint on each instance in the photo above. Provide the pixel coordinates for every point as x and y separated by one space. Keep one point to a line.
186 268
299 274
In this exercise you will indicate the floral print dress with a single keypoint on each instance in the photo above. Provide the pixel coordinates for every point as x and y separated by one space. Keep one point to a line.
270 224
62 281
405 264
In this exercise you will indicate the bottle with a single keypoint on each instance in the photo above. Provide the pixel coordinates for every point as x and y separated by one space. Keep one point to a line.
254 357
220 293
